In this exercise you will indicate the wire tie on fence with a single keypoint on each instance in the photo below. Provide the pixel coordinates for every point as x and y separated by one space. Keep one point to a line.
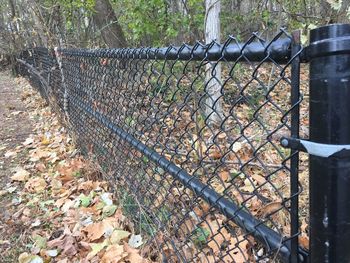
316 149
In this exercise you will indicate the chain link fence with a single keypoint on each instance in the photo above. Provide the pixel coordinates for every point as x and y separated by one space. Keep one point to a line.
190 137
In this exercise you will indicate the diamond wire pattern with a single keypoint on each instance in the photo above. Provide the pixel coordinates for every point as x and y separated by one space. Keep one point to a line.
163 104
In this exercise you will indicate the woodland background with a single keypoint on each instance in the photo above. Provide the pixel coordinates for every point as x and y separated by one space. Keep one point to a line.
134 23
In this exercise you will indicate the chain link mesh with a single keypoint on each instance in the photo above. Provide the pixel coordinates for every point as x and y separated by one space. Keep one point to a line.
190 138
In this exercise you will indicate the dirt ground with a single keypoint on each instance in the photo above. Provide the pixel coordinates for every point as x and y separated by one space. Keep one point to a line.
15 126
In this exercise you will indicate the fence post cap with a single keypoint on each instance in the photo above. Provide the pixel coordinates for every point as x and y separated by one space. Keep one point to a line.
329 31
328 40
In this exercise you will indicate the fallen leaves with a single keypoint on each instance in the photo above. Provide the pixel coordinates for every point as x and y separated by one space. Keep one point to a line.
28 258
68 218
28 141
114 254
10 154
97 230
118 235
97 247
304 241
37 154
66 243
135 241
36 185
134 255
224 175
21 175
270 208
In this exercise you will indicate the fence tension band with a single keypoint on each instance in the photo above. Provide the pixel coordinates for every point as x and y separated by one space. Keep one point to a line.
316 149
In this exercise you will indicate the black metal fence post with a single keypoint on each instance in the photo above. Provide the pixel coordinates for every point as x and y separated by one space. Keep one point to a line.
329 56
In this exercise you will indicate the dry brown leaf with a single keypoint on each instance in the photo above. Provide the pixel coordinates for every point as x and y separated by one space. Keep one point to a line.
304 241
238 251
77 164
224 175
222 135
254 205
260 179
66 243
21 175
27 212
67 171
188 226
66 178
134 255
219 187
36 185
118 215
205 207
67 205
56 184
97 230
88 186
59 202
114 254
303 226
40 167
218 235
270 208
215 155
38 154
112 222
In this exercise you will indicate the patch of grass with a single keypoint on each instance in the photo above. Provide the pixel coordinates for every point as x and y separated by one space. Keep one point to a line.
77 174
200 236
133 210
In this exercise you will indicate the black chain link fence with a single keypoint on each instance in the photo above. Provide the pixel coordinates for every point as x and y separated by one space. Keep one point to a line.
190 138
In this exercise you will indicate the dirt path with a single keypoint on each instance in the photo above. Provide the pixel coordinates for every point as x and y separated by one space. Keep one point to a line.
15 126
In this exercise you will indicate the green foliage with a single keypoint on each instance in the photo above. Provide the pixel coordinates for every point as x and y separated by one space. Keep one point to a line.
156 23
164 22
71 6
200 236
130 121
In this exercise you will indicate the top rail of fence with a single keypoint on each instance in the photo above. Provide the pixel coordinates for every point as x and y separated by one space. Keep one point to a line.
254 50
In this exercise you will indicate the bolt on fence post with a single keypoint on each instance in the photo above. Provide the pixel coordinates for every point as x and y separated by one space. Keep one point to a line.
329 57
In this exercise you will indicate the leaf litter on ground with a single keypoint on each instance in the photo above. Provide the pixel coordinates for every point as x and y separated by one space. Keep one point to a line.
68 217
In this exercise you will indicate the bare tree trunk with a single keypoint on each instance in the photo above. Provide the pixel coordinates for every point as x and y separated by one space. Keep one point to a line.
37 25
107 23
213 105
13 25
